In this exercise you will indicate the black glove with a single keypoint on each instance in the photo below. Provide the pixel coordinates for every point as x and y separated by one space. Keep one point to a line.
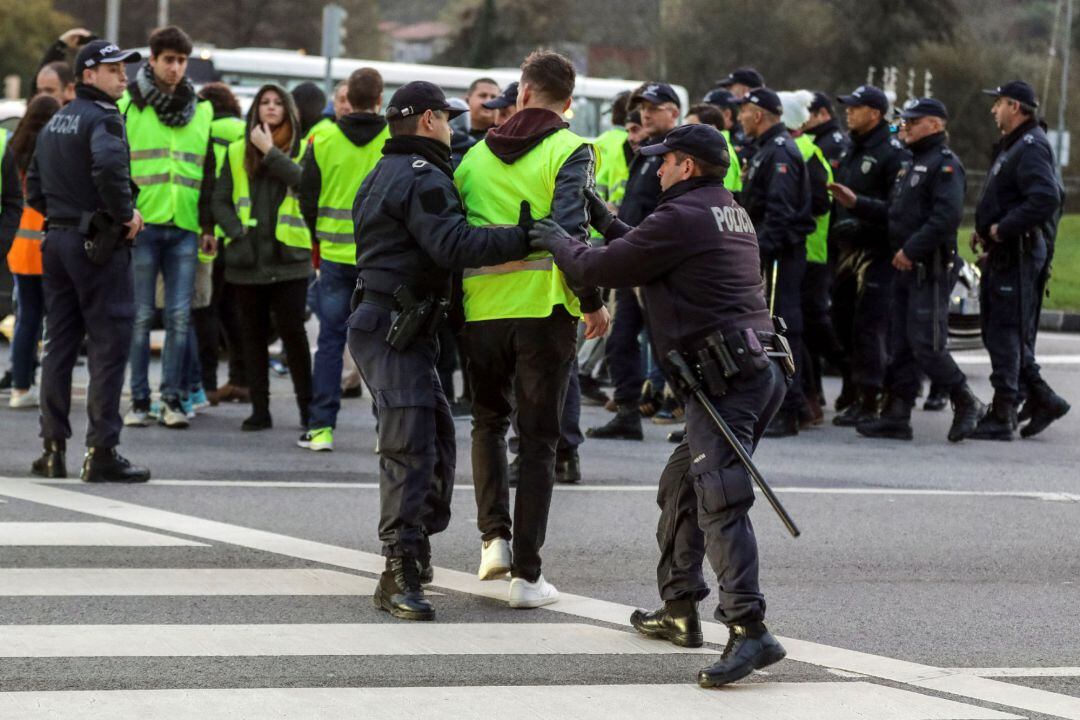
546 234
599 215
525 218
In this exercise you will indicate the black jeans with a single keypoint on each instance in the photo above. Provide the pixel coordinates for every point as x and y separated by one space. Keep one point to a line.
523 363
285 301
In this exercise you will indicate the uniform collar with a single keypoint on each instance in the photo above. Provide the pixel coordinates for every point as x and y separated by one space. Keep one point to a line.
772 132
929 143
91 93
1009 140
878 135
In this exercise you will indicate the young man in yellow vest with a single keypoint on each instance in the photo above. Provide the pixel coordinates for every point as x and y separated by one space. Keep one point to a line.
172 162
521 318
336 162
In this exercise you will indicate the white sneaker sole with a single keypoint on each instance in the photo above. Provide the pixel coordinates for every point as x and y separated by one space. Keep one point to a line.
529 603
130 421
493 573
321 447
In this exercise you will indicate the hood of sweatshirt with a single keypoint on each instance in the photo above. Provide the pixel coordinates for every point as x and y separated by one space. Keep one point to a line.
362 127
522 132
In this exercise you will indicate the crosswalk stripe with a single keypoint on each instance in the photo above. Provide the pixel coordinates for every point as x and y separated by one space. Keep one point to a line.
85 533
139 581
40 641
760 701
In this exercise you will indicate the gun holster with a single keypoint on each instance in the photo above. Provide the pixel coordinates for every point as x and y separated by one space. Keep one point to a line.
103 236
415 318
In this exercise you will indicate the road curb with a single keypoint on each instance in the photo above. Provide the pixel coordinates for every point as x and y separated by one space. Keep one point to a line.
1059 321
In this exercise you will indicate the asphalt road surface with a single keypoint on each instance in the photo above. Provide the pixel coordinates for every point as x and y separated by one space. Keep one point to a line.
932 581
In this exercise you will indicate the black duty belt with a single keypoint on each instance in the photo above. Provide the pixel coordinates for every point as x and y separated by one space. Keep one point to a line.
64 223
379 299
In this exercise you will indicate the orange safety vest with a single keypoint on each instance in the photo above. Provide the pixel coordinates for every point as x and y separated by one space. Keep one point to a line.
24 258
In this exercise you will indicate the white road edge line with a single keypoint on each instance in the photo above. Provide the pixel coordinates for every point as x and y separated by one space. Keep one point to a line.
900 671
1042 672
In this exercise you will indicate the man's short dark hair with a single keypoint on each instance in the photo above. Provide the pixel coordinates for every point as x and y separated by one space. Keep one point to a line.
619 108
170 38
707 169
407 125
365 89
480 81
708 114
63 71
550 75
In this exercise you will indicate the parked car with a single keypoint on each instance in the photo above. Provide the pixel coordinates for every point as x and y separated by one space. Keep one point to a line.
964 324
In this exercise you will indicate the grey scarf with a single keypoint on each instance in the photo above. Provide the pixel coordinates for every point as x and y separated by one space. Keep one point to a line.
173 109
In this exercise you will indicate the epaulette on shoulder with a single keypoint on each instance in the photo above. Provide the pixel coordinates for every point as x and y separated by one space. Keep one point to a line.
946 152
105 105
420 165
780 140
1029 139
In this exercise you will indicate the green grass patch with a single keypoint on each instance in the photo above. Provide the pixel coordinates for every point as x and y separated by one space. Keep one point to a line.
1065 280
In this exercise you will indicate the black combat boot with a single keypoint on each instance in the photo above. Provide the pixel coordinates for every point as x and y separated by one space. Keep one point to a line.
400 591
568 468
750 647
847 396
591 392
676 622
626 425
894 423
51 463
999 422
863 409
1046 406
967 411
785 423
107 465
936 399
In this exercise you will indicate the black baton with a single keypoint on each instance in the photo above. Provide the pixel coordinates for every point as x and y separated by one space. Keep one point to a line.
690 381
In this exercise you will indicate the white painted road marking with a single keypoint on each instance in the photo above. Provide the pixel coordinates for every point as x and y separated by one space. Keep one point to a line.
1020 672
758 701
963 358
85 533
140 581
39 641
915 674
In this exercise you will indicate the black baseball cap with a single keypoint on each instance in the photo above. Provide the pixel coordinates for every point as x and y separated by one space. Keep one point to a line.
765 99
102 52
700 141
417 97
743 76
821 101
657 94
868 96
1017 90
720 97
508 98
924 107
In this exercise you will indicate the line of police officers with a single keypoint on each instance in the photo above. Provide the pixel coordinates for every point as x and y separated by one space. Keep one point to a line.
515 219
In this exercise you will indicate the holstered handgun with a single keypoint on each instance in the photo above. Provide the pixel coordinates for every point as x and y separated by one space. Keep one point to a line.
102 236
415 318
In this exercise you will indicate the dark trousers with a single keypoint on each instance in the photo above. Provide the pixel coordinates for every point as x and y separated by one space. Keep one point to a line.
213 323
623 350
570 436
97 301
705 497
285 301
417 450
1009 299
447 361
819 337
521 363
29 314
862 289
786 299
920 333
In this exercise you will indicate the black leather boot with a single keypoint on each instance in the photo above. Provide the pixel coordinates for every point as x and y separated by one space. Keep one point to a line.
1046 406
626 425
967 411
784 424
864 409
107 465
999 422
676 622
51 463
894 423
568 468
750 647
400 591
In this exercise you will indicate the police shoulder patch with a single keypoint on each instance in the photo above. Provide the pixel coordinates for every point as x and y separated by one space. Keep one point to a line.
433 201
780 140
1029 139
948 169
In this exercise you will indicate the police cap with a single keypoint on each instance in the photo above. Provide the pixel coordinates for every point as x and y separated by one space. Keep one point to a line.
765 99
743 76
924 107
720 97
102 52
866 96
1017 90
699 141
655 93
508 98
417 97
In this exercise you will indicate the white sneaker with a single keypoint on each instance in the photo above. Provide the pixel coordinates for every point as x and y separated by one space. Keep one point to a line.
28 399
524 594
494 559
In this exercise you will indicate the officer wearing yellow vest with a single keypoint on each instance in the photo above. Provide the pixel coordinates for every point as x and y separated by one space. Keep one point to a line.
336 162
172 162
521 318
412 233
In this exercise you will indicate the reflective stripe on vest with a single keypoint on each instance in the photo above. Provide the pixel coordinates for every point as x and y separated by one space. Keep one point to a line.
492 192
614 172
290 228
817 246
342 169
223 132
167 163
24 257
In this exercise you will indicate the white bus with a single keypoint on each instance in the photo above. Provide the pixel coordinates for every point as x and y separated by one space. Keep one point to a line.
246 69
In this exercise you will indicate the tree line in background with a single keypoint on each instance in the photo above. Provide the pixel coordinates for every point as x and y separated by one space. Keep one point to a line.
825 45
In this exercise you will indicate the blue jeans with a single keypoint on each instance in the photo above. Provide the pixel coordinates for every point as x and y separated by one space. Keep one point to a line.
29 313
333 290
170 251
191 375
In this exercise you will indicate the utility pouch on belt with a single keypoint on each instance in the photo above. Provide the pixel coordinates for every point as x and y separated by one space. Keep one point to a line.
783 347
103 236
412 321
747 352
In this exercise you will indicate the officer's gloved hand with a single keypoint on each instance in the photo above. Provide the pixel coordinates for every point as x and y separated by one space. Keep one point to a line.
600 216
525 218
546 234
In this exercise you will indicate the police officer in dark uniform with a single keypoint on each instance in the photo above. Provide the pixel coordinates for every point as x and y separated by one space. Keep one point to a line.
923 214
1015 225
411 233
80 181
825 129
864 271
776 193
698 294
